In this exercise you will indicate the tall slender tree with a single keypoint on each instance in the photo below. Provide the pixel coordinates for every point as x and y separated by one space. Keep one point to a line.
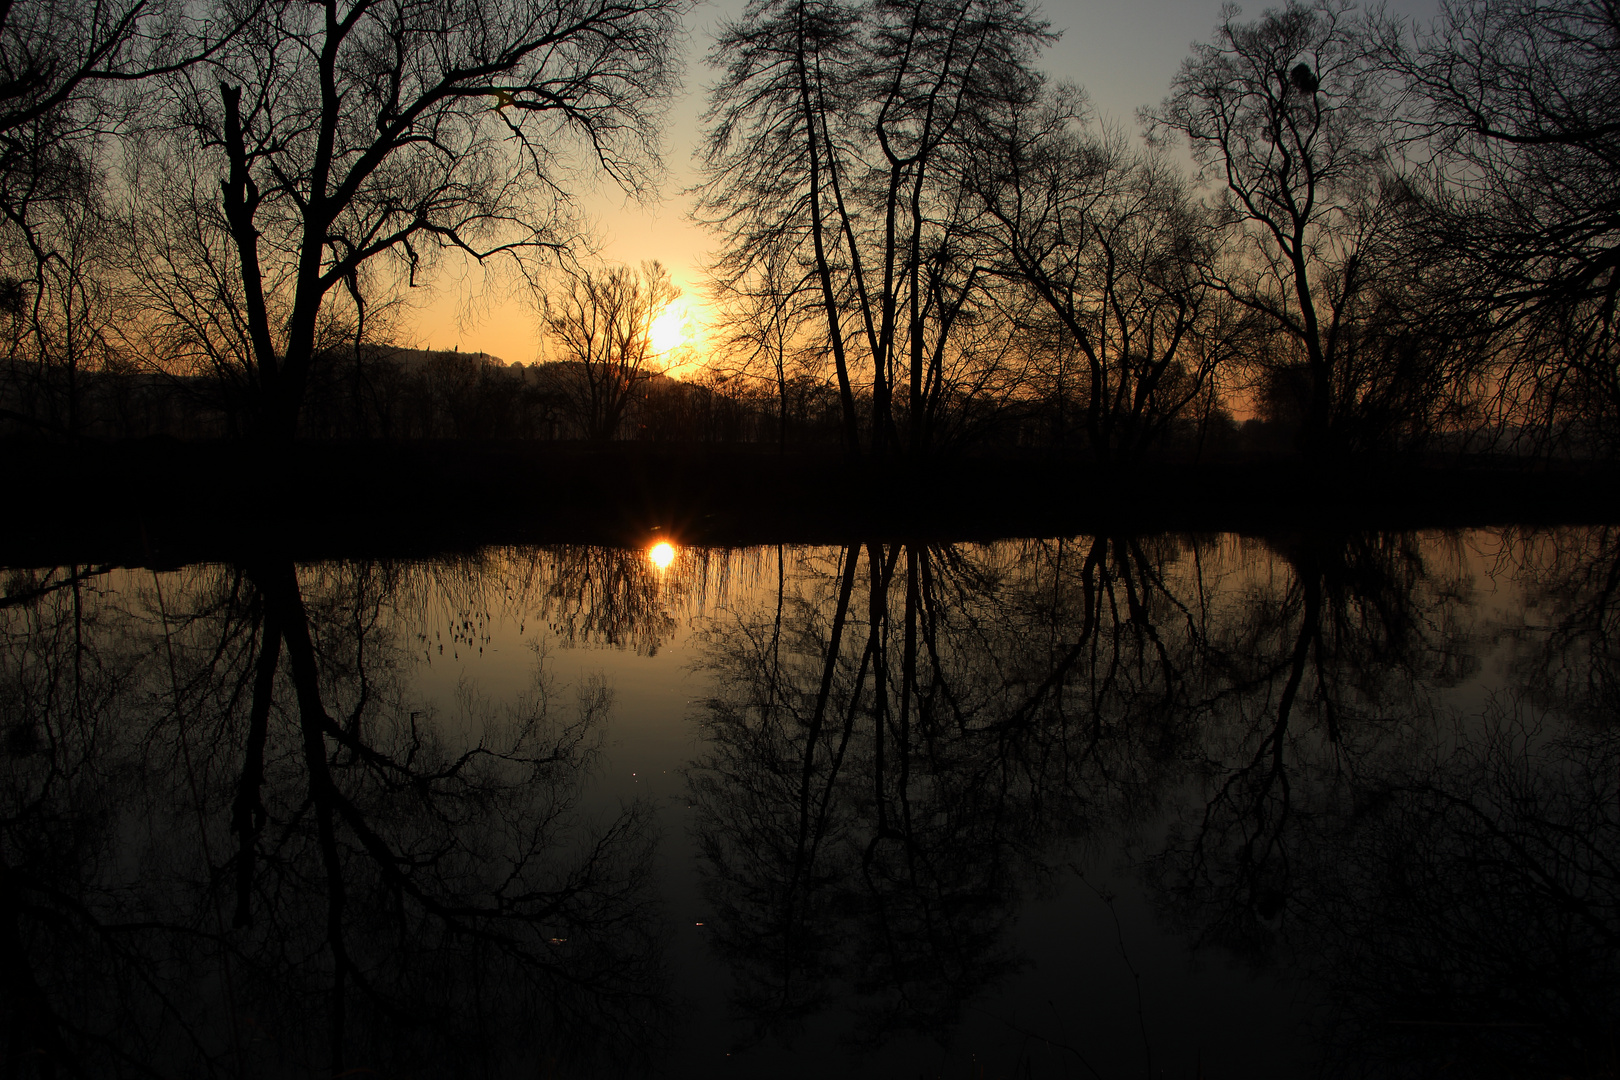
839 134
787 64
1119 260
1290 116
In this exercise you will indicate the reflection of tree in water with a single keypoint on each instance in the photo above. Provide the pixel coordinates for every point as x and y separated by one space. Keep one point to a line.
614 596
894 744
905 741
586 594
1464 910
1569 643
232 841
1450 883
1310 674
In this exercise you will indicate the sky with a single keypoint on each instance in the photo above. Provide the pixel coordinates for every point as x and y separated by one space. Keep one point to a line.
1123 54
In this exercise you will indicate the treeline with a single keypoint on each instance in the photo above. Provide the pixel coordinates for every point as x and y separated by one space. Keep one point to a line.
408 394
1397 237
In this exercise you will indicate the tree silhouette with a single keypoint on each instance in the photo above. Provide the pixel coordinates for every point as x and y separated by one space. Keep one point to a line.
1120 260
346 136
1299 173
600 325
836 144
1521 205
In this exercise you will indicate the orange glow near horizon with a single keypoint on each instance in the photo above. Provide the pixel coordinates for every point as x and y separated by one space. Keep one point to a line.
661 554
489 310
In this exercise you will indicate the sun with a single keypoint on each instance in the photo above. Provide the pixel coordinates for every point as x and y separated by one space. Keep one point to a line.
661 554
672 328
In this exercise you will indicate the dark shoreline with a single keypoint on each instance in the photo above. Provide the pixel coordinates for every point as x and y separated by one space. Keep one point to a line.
170 502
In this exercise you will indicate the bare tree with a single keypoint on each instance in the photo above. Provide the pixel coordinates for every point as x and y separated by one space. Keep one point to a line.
58 62
1120 260
183 272
837 140
354 139
770 320
65 338
1290 116
765 157
1519 103
64 70
601 326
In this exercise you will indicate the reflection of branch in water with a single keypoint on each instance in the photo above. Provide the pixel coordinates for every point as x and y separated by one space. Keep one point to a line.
396 898
24 588
887 854
1016 1026
588 594
1480 886
1246 796
788 932
522 912
1451 885
1568 654
1361 633
1136 976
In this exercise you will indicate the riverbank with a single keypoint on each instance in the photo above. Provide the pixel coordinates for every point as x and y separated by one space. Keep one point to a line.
171 502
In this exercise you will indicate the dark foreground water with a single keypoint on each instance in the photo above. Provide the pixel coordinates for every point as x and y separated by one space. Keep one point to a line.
1142 806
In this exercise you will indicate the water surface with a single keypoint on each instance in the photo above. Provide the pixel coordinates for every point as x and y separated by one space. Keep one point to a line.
1097 806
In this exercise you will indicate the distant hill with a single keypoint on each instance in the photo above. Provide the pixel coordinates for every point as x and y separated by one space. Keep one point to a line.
546 374
411 359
